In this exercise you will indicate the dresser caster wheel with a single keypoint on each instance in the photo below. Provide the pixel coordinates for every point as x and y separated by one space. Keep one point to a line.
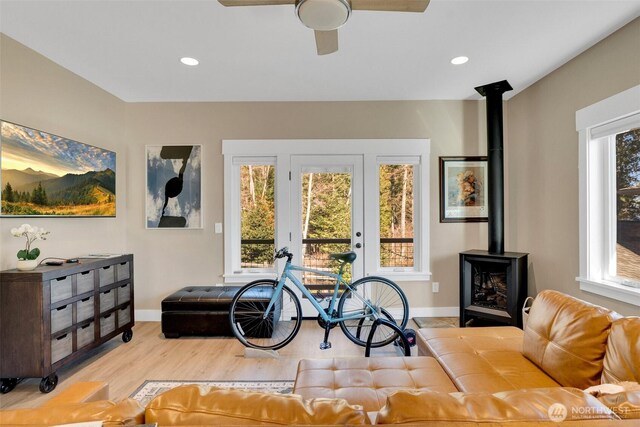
8 384
127 335
48 384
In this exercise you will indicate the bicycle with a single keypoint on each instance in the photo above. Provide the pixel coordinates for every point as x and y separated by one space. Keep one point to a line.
266 314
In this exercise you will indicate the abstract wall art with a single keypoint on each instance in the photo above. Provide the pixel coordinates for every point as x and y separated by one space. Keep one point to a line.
174 186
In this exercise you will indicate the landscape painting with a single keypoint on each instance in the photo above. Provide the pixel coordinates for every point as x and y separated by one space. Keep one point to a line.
47 175
174 186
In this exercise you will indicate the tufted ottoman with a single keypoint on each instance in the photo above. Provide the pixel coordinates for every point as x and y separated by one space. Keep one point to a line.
368 381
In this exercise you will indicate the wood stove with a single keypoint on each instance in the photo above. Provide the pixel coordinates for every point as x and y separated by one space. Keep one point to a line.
493 283
492 287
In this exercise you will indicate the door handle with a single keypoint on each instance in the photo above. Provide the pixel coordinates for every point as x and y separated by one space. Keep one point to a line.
358 245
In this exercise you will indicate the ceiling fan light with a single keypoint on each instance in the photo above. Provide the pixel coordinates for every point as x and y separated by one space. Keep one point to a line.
323 15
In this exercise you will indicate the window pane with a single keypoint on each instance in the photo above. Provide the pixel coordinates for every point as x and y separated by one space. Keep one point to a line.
326 225
396 215
628 204
257 226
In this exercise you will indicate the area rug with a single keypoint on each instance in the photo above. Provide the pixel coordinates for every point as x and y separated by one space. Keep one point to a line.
436 322
151 388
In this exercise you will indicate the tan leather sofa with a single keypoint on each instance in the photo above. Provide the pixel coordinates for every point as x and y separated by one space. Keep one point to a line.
464 377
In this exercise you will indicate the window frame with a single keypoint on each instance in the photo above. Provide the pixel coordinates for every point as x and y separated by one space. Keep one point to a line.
234 151
595 125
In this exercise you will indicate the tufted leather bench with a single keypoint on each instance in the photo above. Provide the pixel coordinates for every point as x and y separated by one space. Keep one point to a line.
202 310
368 381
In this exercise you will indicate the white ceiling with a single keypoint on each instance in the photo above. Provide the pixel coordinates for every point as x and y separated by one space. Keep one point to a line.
132 48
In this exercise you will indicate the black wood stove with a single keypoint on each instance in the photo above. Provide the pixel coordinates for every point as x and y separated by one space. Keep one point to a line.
493 283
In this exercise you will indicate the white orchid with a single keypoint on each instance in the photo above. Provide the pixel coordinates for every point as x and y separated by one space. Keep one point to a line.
31 234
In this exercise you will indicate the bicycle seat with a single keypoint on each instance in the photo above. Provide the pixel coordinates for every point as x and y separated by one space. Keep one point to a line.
347 257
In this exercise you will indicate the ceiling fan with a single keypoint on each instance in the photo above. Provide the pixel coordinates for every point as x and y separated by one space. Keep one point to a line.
326 16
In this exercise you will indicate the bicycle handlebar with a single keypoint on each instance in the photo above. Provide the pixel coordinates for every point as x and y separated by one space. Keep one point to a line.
284 252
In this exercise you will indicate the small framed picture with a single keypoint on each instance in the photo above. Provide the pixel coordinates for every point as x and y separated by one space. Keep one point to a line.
463 189
174 186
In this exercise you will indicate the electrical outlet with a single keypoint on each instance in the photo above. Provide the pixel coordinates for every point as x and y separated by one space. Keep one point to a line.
435 287
218 228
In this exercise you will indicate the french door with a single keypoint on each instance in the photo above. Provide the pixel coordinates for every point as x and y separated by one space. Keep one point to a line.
326 202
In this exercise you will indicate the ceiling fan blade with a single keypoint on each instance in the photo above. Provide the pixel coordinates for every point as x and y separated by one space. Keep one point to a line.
390 5
326 41
255 2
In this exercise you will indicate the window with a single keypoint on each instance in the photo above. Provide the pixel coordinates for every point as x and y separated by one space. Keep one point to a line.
251 199
610 197
327 196
396 185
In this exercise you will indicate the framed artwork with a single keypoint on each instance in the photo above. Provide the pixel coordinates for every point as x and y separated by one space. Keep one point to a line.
174 186
463 189
46 175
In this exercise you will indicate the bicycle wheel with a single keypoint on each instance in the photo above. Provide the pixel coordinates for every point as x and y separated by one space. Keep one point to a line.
388 301
249 324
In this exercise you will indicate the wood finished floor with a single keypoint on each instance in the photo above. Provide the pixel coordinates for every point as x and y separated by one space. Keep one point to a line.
149 356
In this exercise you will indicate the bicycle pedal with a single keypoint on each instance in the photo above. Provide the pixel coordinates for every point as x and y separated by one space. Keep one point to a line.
325 345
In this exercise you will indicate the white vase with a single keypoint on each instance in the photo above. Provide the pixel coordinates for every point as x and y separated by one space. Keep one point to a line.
26 264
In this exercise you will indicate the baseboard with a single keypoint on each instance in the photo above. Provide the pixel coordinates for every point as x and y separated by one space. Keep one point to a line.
434 311
155 315
148 315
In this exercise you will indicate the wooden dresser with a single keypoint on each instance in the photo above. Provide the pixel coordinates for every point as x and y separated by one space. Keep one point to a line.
53 315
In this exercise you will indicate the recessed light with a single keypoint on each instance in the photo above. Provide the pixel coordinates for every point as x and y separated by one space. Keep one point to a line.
459 60
189 61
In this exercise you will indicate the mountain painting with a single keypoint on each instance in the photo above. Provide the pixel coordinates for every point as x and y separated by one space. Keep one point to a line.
47 175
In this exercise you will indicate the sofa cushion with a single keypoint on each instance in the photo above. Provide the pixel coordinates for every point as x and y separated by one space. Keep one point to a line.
567 338
407 407
483 359
126 412
622 358
198 405
368 381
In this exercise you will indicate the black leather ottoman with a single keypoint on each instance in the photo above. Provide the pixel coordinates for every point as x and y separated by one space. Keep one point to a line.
202 310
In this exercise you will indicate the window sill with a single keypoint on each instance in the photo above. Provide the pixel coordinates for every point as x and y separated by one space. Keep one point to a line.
248 277
611 290
402 276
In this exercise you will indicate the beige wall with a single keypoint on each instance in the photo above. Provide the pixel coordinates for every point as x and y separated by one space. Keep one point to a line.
37 93
169 259
543 157
541 168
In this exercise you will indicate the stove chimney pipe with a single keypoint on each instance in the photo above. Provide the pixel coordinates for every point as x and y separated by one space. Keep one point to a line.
493 93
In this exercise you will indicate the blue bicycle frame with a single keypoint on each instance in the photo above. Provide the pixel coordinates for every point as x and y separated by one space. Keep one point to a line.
287 274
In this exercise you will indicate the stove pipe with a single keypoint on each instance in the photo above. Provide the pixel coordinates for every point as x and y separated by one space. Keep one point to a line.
493 92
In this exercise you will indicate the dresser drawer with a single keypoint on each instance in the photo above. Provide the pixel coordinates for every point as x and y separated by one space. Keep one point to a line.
61 347
61 318
84 282
107 300
107 275
84 309
107 324
85 334
124 293
60 289
123 271
124 316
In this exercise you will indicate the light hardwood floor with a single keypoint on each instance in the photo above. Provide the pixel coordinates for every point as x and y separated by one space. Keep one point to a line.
149 356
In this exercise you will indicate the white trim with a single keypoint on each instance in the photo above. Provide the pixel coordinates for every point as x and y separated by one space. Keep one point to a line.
595 124
611 290
434 311
609 109
148 315
271 147
401 276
